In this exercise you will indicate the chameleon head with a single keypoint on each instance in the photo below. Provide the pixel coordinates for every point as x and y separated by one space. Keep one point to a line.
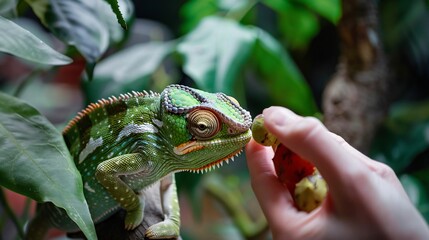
204 128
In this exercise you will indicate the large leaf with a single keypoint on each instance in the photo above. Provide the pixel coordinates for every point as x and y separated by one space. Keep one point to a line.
403 136
20 42
329 9
282 77
232 5
130 69
35 162
218 49
114 4
193 11
215 52
77 22
7 6
297 24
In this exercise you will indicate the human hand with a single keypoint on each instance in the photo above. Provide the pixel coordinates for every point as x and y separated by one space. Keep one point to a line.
365 199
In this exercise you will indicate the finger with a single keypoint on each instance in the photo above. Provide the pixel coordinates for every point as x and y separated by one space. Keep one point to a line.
349 148
274 198
373 165
311 140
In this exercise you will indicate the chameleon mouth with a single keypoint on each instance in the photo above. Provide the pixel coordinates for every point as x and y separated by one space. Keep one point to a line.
192 146
187 147
215 164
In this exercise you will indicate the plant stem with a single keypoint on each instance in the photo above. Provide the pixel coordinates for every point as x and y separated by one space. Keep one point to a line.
27 79
11 214
27 207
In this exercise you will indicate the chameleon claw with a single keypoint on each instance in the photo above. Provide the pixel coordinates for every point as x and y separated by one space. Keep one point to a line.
163 230
133 219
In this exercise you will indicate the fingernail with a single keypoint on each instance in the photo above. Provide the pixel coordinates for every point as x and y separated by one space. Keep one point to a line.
278 116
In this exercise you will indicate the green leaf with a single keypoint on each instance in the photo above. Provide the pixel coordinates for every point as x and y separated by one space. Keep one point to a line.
218 49
194 10
115 8
77 22
277 5
417 193
7 6
130 69
329 9
299 27
232 5
35 162
297 24
40 7
282 77
116 32
407 123
215 52
20 42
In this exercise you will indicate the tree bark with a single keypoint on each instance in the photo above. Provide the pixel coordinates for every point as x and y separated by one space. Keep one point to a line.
356 99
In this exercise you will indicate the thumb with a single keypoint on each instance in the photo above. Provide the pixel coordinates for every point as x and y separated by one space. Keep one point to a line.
273 197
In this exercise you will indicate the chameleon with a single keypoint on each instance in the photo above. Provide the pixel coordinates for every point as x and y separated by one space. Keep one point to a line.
122 145
302 179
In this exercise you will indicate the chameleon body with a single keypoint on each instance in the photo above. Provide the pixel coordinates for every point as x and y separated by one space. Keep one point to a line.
123 145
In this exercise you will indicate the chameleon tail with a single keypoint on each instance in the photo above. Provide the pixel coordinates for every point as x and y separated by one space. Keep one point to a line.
38 227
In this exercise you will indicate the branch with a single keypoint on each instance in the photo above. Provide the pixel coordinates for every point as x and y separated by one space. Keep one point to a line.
356 100
113 227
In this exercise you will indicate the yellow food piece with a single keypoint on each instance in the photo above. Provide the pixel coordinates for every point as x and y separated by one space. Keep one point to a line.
310 192
260 133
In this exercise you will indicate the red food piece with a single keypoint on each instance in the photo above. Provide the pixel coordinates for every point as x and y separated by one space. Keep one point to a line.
290 167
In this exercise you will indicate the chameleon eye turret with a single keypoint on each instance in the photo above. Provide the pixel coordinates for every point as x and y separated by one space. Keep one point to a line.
124 144
203 124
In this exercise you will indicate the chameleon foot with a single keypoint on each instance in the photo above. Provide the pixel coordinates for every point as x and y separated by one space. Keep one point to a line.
133 218
163 230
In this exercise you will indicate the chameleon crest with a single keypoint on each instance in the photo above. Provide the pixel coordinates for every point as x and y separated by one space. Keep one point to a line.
123 145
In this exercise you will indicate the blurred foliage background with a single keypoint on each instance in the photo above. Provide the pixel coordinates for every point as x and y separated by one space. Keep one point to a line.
262 52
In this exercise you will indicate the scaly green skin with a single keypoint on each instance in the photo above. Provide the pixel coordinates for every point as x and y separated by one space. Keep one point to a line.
123 145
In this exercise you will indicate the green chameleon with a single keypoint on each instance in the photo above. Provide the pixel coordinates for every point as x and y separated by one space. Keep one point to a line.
123 145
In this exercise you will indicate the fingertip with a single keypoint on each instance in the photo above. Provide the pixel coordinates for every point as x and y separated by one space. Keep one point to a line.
253 146
278 116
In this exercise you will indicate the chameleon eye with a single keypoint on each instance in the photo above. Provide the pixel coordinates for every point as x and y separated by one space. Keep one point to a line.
203 124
